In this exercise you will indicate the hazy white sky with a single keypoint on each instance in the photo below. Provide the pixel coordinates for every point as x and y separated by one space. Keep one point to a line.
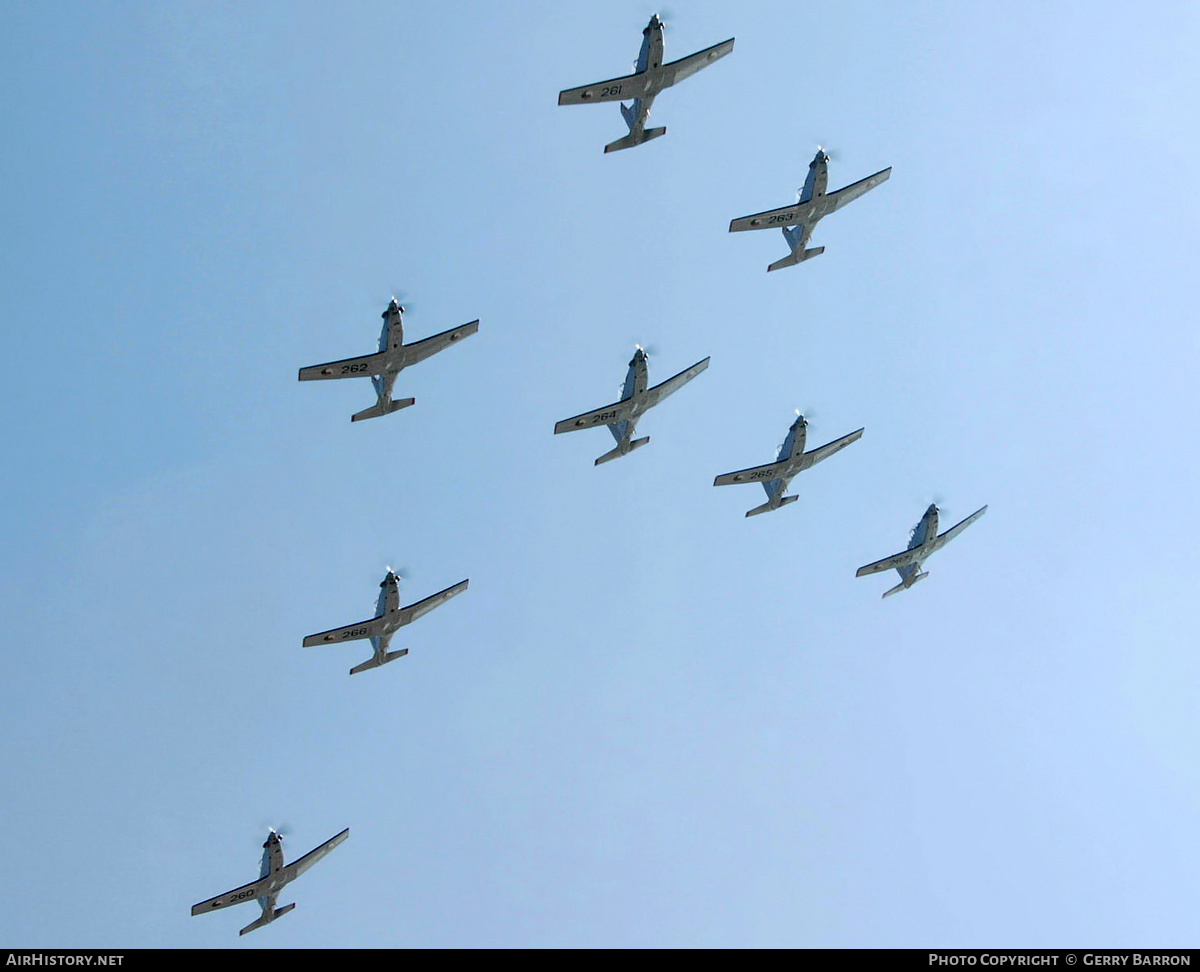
649 721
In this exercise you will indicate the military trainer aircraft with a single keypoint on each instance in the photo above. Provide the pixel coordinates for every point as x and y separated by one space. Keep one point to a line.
651 76
792 459
922 542
392 358
389 618
621 417
813 204
272 878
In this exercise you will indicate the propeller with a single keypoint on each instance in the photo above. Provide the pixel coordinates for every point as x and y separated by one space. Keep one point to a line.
650 350
934 499
400 296
401 572
834 154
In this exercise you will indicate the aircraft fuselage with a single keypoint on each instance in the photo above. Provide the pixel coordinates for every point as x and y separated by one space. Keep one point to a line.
636 382
649 62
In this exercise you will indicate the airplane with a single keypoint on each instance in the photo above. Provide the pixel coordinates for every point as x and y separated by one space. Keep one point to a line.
651 77
389 618
792 459
392 358
812 205
273 876
922 542
621 417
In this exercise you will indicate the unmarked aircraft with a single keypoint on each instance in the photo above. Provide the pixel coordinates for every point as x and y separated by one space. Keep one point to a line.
621 417
392 358
812 205
792 459
389 618
273 876
923 541
651 77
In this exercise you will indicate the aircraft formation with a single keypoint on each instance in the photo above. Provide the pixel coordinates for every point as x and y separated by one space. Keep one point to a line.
652 75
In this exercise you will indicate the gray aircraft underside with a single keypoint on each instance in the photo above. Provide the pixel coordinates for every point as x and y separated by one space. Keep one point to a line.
923 541
385 365
792 459
813 204
651 77
622 416
389 618
273 876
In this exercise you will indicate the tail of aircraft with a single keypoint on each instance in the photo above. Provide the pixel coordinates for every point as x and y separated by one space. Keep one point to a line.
617 453
382 409
767 507
796 257
630 140
267 918
375 663
905 585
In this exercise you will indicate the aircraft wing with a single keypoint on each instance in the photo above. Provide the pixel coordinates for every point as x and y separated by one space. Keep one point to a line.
955 530
420 350
247 892
616 89
371 364
755 474
896 560
685 67
351 632
410 614
601 416
302 864
855 189
837 445
662 390
773 218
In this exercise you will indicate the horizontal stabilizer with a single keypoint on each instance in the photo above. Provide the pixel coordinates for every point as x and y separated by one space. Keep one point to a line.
376 410
905 585
376 662
267 918
618 451
793 258
767 507
630 140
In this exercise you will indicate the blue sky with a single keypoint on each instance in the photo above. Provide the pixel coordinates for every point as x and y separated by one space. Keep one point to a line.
649 721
